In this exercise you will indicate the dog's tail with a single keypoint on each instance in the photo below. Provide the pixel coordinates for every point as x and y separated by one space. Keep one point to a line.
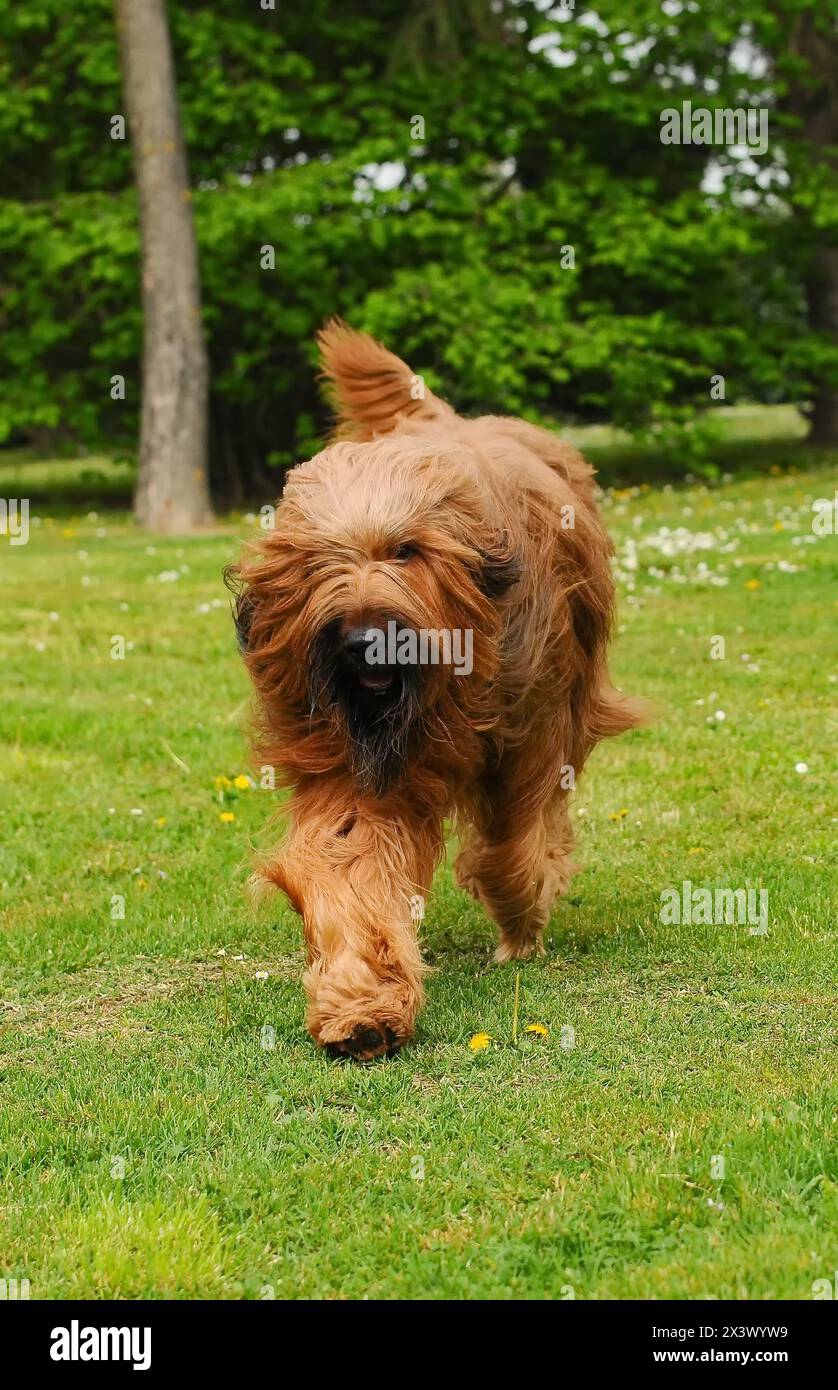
369 387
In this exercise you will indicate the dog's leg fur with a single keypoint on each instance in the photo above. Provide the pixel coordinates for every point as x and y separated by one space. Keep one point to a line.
559 866
353 870
516 865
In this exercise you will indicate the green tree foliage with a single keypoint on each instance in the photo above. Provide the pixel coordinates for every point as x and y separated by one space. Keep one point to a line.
531 245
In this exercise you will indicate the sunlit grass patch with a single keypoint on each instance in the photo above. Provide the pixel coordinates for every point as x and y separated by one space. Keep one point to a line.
581 1160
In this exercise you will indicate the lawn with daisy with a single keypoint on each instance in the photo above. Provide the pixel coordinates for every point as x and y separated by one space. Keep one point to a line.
646 1112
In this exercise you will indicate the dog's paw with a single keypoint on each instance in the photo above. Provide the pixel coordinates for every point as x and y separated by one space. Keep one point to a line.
366 1042
352 1012
518 948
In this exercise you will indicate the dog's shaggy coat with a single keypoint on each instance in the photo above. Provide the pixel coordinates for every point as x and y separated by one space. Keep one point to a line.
416 515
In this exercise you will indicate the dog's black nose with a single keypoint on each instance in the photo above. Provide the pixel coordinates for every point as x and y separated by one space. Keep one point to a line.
355 644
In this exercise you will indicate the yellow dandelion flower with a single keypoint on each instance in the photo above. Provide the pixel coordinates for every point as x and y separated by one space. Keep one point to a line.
695 850
161 820
241 782
479 1042
753 584
222 782
619 815
142 883
778 526
226 816
539 1030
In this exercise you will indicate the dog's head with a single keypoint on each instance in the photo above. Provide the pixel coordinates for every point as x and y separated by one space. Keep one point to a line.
375 599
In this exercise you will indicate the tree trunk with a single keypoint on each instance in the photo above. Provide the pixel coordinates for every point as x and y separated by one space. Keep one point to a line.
172 485
822 297
813 98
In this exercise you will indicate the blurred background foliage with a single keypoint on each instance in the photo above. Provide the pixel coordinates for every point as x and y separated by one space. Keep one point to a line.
540 130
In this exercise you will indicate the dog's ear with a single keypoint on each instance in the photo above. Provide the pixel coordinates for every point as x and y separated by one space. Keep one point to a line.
499 568
242 607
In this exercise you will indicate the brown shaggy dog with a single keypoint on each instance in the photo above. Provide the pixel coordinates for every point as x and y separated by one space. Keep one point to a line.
427 521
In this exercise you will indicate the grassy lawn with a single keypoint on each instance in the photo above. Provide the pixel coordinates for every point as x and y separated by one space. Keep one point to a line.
157 1140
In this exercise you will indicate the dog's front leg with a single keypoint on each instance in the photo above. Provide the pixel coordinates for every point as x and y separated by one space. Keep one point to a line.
354 871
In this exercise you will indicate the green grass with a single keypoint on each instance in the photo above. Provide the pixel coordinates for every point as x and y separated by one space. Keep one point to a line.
546 1168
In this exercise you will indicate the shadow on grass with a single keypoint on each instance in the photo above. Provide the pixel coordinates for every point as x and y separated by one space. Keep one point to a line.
628 466
67 484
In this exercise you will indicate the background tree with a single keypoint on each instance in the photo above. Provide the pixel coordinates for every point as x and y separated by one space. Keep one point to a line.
540 130
806 44
172 481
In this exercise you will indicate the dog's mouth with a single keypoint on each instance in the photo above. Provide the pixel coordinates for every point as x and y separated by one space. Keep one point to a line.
344 673
377 703
380 680
362 670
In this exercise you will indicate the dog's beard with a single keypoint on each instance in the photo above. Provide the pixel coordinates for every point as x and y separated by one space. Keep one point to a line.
378 718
